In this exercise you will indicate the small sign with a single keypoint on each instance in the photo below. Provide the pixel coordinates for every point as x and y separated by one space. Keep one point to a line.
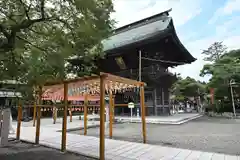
131 105
106 98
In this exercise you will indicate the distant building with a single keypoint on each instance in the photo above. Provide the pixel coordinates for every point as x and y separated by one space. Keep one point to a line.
9 95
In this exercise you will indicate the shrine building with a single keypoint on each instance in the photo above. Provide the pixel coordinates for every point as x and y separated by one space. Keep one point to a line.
150 46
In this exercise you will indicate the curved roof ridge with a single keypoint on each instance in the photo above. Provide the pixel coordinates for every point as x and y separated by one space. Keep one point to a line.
144 21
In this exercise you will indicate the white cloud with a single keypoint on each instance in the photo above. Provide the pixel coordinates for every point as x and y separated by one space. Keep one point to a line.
228 27
196 47
231 6
232 42
128 11
216 15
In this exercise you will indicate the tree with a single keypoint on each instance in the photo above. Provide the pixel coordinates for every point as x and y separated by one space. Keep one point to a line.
214 52
188 87
76 24
52 29
221 72
37 36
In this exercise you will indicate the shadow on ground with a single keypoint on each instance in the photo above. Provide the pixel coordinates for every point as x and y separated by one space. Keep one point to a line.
25 151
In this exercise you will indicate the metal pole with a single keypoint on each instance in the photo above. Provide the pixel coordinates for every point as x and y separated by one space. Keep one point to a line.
140 66
140 69
233 104
131 115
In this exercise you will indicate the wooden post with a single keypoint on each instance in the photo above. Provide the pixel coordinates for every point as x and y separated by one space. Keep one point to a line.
38 116
54 114
102 118
64 123
113 101
142 103
85 113
34 113
70 113
110 115
19 122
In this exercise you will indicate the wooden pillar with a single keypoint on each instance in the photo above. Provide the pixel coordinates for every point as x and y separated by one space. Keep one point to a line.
102 118
38 115
113 101
142 103
163 101
155 101
19 122
54 114
110 115
64 123
70 113
34 113
85 113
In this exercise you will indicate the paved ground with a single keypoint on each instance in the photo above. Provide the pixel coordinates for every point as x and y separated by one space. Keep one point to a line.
114 149
25 151
205 134
174 119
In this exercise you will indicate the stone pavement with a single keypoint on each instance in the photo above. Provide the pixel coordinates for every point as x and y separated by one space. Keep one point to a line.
48 123
173 119
114 149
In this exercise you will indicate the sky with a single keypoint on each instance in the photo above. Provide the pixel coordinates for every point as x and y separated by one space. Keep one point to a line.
198 24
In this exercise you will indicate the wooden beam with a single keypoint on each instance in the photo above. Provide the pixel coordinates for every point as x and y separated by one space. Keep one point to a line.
34 113
123 80
38 115
121 105
69 81
102 118
19 122
85 113
142 103
64 124
110 115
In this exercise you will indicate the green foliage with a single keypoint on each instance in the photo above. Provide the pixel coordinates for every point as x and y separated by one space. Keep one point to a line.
214 52
222 71
38 36
187 87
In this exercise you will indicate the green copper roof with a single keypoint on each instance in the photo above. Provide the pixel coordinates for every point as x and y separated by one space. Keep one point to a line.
136 34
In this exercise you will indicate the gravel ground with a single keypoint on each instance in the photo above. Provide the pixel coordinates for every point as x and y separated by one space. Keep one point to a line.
25 151
205 134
